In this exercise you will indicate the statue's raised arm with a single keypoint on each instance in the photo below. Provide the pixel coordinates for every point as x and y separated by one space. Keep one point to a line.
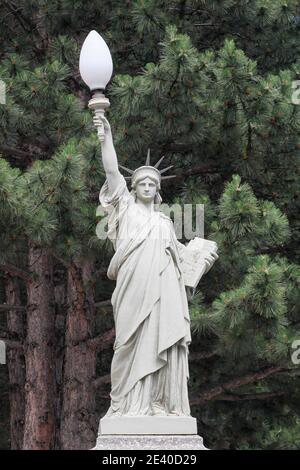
109 156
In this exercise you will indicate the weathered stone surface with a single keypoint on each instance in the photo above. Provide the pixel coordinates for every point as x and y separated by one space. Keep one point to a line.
143 442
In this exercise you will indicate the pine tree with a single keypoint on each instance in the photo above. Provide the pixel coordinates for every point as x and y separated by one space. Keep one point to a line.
209 85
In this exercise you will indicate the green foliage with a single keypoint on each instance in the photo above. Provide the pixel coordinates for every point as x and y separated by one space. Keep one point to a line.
209 85
238 210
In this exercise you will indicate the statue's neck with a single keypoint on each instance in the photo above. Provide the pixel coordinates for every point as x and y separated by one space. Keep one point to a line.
146 206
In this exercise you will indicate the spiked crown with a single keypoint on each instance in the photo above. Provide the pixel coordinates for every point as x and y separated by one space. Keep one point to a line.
148 171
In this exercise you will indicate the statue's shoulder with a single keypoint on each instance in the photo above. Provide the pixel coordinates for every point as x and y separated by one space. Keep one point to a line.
127 199
164 216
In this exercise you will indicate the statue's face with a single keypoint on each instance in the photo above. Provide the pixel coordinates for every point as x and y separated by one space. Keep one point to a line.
146 190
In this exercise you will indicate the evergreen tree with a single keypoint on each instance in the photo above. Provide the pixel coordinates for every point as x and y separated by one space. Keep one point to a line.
209 85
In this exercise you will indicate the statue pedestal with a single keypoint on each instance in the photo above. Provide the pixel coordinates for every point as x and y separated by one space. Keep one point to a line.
149 442
149 432
148 425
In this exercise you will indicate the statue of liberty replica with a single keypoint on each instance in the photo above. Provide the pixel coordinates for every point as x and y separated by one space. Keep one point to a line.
149 371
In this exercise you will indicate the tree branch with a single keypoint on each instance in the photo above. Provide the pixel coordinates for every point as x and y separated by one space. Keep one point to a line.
16 12
99 272
102 342
4 307
198 356
104 303
62 261
16 152
103 380
238 382
198 170
15 271
12 344
251 396
7 338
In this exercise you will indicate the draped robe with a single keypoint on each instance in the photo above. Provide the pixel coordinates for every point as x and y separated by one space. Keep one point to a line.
149 370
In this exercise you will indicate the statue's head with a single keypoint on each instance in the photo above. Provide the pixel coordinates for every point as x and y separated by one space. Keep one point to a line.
146 189
145 180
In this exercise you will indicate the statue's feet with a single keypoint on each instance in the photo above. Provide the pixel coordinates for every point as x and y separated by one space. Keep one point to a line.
177 413
158 410
113 414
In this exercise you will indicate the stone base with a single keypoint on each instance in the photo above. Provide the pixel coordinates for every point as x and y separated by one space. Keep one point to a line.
158 442
146 425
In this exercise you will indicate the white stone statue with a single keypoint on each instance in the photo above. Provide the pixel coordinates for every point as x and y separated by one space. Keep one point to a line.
149 371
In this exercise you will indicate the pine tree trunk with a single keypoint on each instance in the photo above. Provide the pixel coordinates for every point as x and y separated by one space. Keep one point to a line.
15 364
79 421
60 295
40 388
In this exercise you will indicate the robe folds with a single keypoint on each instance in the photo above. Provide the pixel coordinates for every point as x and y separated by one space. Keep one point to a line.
149 370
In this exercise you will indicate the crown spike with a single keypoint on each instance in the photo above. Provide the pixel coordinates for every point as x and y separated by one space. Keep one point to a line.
126 169
166 169
159 162
168 177
148 158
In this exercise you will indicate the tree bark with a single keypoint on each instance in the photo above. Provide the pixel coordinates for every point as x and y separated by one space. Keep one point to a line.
40 387
79 421
15 364
60 295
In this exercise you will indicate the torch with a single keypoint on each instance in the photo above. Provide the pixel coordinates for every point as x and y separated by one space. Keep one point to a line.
96 67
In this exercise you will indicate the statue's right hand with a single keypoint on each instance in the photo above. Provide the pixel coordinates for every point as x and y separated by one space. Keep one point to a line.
106 124
97 121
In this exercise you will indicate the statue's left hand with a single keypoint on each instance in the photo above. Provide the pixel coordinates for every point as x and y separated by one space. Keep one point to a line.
210 259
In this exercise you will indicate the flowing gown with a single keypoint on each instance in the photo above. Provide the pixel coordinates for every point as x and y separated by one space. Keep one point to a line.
149 370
